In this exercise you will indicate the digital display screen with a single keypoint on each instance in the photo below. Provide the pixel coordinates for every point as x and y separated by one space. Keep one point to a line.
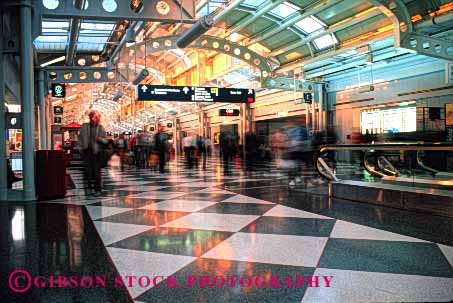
229 112
194 94
389 120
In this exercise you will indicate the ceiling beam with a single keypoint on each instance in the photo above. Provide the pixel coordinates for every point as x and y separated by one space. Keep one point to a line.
74 31
331 29
293 19
223 14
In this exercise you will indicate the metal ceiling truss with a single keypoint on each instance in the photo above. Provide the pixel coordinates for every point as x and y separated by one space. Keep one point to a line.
290 84
407 38
150 10
265 65
58 74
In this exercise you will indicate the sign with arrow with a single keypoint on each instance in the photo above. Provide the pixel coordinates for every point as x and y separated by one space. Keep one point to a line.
194 94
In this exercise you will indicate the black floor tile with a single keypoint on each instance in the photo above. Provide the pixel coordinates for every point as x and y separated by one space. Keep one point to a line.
237 208
190 291
291 226
409 258
179 241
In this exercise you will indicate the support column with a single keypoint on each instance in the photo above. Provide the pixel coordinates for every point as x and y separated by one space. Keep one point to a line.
3 173
42 112
27 99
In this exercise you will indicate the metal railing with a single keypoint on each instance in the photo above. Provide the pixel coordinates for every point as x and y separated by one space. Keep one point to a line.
383 166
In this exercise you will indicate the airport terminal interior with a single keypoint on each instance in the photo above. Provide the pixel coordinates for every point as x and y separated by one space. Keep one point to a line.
226 151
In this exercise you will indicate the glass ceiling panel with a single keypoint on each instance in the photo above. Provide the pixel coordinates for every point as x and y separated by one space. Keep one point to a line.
254 3
284 10
310 25
93 36
91 44
325 41
208 8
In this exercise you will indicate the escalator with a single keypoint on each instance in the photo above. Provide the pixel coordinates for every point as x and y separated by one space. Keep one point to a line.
394 175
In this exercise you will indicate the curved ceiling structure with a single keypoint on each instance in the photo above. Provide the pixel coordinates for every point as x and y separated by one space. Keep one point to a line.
311 39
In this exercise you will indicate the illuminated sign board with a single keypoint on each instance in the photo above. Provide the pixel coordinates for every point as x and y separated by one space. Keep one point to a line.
194 94
229 112
58 90
13 120
308 98
58 110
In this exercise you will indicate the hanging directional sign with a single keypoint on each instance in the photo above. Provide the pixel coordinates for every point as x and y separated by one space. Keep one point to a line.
57 120
194 94
58 90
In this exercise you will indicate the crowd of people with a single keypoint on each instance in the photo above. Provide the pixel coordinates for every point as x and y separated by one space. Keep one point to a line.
144 150
291 147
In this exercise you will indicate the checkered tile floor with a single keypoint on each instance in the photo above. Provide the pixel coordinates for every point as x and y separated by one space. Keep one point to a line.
191 222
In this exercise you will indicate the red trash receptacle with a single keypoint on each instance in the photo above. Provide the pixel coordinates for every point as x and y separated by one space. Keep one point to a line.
50 174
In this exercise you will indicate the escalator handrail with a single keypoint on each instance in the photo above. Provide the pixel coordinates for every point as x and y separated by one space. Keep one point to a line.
387 147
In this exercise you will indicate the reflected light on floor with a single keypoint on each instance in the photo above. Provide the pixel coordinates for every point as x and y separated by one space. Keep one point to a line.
18 225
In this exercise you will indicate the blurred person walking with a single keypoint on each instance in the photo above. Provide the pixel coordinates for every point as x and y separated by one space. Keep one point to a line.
161 145
92 138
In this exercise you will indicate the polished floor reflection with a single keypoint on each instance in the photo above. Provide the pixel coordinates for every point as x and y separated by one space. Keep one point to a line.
51 240
205 236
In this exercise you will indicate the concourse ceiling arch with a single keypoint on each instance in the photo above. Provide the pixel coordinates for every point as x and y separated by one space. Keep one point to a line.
220 45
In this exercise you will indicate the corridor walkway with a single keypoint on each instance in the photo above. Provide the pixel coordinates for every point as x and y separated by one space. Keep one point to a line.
247 237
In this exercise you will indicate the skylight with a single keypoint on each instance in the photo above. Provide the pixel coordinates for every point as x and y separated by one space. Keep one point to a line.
310 25
325 41
254 3
93 36
54 37
284 10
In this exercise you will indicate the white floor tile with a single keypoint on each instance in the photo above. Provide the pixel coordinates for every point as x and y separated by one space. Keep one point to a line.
179 205
158 195
98 212
346 230
113 232
448 252
289 212
274 249
140 263
358 286
213 221
246 199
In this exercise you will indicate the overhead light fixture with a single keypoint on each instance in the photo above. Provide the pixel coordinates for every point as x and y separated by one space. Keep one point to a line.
59 59
140 76
198 29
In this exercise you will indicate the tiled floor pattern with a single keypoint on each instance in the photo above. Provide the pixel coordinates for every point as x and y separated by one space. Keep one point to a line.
189 223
